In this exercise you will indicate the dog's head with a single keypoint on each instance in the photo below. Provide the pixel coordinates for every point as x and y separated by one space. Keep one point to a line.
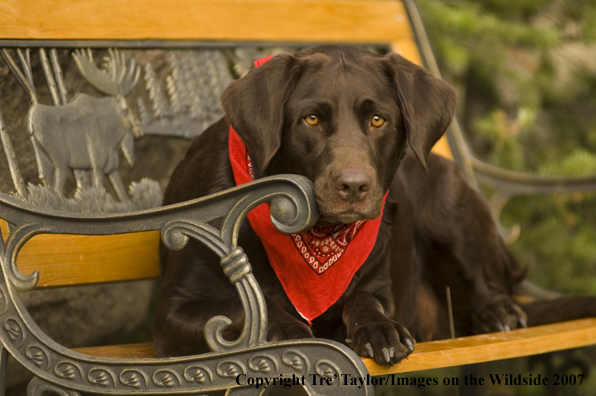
341 117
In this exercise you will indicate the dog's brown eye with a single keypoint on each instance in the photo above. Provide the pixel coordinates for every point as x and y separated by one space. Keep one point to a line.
377 121
312 120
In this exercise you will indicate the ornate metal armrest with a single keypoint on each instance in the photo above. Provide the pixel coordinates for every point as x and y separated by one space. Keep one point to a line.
235 365
508 184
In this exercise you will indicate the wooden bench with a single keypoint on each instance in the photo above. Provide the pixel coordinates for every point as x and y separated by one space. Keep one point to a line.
125 247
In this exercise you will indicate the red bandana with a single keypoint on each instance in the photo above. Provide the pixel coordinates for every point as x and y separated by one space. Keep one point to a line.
311 265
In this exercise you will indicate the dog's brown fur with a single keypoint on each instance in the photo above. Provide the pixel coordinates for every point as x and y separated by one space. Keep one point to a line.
436 230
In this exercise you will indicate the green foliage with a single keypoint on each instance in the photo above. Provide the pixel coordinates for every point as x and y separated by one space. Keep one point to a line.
465 33
528 102
558 240
502 133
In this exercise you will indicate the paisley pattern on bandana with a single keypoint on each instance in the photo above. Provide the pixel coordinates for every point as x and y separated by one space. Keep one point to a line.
321 247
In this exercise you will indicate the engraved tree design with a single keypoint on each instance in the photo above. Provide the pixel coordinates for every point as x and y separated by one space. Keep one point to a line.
190 102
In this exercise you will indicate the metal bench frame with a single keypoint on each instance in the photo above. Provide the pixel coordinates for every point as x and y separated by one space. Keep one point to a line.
69 372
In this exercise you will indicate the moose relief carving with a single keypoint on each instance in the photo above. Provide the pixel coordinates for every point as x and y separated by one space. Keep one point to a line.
85 133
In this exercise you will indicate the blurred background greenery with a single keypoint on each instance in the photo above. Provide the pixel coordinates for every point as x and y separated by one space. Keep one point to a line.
525 73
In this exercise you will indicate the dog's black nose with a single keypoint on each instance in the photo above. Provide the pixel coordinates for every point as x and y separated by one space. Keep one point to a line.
352 185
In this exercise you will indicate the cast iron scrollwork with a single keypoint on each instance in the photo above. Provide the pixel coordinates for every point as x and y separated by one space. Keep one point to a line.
14 243
57 368
264 364
102 377
133 378
166 378
297 360
37 355
38 387
288 213
328 369
68 370
198 374
14 331
230 369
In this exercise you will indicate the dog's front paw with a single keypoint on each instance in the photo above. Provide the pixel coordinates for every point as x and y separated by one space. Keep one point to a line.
500 314
383 340
289 331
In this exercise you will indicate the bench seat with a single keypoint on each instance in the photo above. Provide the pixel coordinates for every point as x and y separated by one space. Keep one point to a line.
65 260
442 353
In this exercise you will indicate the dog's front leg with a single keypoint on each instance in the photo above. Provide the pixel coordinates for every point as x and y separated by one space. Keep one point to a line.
371 333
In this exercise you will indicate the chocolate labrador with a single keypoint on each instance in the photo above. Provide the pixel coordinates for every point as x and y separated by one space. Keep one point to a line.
361 127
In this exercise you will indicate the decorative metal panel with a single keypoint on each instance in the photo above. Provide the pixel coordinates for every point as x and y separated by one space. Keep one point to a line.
79 112
75 114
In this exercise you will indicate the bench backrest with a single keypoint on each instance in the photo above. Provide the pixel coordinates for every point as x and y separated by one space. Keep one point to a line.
68 259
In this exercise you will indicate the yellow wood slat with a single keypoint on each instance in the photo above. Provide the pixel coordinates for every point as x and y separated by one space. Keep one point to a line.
407 48
444 353
4 229
242 20
79 259
496 346
442 148
129 351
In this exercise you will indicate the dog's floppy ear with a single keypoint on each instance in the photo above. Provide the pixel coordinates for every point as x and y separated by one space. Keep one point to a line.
254 105
427 104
